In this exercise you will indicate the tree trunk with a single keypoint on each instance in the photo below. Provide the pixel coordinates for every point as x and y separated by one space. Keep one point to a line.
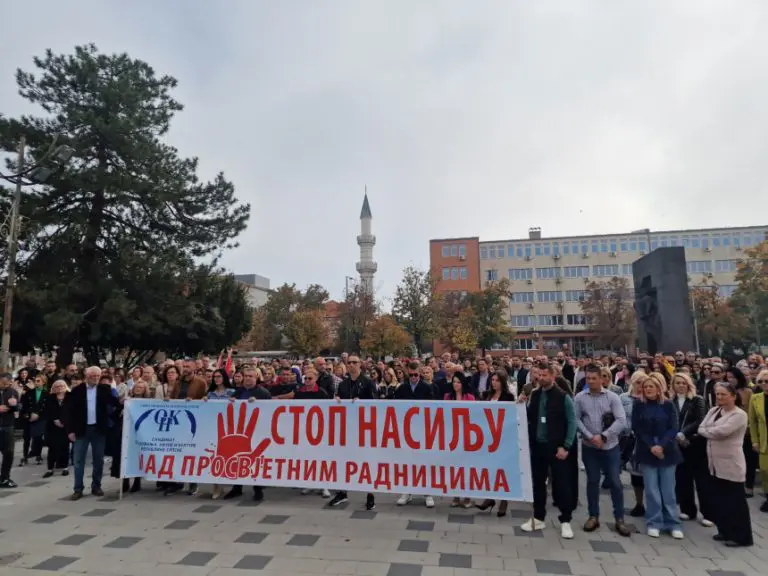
65 352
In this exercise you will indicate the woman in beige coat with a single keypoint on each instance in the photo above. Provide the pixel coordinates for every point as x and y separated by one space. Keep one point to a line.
724 427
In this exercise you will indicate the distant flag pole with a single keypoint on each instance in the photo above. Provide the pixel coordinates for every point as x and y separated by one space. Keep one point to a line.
228 367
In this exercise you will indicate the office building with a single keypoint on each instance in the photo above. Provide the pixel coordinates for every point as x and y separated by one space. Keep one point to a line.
548 276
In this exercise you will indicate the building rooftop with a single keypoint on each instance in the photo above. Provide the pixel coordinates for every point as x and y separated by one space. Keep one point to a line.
534 234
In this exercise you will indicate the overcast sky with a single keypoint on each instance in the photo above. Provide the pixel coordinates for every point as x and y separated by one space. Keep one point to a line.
462 117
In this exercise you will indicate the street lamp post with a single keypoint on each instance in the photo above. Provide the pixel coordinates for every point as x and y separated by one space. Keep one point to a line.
36 173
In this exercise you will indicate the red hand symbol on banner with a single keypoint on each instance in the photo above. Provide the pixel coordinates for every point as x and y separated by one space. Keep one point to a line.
235 438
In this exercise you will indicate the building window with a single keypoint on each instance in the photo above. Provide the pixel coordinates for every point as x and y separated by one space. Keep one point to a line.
454 251
463 273
555 248
545 273
604 246
626 269
726 290
641 245
623 245
519 251
595 247
725 265
446 251
551 320
566 248
699 266
537 249
522 321
454 273
549 296
726 241
463 250
483 253
603 270
491 251
446 273
492 275
633 245
613 245
576 271
546 249
511 251
527 250
575 295
577 320
520 273
500 252
521 297
524 344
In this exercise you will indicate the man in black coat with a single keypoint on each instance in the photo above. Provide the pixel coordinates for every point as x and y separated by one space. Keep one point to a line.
355 385
9 406
86 421
414 388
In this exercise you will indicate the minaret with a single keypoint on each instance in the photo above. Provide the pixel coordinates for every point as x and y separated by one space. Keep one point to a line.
366 267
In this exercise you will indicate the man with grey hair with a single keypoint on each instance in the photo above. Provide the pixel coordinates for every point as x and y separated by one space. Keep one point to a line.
86 421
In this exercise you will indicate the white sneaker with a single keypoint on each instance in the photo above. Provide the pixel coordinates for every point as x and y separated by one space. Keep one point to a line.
325 493
404 499
684 517
566 531
429 501
678 534
533 525
653 532
706 523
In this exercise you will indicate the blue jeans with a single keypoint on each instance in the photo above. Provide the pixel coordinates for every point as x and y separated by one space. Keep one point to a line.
660 499
597 463
97 441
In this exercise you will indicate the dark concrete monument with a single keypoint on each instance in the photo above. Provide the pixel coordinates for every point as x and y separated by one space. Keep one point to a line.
662 302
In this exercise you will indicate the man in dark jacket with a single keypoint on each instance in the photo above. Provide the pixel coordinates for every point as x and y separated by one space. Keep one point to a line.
9 406
86 421
355 386
324 378
416 389
250 391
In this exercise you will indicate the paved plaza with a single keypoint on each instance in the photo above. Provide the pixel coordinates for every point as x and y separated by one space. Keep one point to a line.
291 534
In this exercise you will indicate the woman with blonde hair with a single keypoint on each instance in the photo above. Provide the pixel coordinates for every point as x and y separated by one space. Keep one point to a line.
55 434
692 475
654 422
758 429
633 394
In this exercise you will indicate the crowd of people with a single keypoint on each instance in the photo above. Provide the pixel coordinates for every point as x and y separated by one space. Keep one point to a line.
690 432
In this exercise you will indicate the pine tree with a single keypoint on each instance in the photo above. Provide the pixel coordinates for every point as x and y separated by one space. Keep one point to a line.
113 243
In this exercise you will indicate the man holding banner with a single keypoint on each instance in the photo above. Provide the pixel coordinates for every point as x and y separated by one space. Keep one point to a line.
355 386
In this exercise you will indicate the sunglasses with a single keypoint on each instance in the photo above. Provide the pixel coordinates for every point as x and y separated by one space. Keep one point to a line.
413 374
762 382
308 378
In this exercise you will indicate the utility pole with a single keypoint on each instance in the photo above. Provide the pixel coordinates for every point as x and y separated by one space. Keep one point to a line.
13 247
